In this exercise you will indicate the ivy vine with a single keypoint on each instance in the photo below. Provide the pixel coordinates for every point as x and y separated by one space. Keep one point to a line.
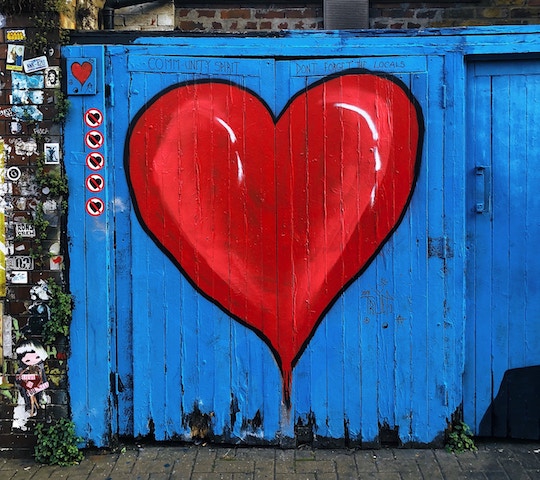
61 309
459 438
57 444
55 179
41 224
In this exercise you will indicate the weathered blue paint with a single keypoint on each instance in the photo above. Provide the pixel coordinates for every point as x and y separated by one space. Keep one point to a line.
390 355
503 267
91 257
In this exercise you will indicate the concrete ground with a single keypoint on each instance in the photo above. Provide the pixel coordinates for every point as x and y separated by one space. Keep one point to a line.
493 461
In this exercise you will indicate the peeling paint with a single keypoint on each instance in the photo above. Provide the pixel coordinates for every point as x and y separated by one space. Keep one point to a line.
304 430
253 425
200 424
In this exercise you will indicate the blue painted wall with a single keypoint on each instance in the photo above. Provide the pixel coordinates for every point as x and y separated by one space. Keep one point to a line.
398 354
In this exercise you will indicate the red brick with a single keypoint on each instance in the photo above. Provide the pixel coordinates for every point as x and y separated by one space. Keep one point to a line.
236 13
188 25
206 13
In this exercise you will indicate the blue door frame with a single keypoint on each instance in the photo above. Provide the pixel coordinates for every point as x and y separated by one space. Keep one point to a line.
388 358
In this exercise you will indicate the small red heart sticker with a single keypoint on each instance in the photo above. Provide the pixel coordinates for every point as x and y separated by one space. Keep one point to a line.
272 218
81 71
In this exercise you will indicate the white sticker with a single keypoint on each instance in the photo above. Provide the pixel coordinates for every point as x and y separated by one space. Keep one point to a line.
13 174
20 262
26 230
19 277
35 64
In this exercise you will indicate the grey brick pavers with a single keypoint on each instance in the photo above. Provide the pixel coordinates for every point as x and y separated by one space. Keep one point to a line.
492 461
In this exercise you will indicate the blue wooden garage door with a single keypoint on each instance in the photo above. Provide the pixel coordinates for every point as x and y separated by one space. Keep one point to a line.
379 365
502 374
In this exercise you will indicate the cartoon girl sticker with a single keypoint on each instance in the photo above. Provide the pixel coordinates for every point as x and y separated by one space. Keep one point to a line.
31 376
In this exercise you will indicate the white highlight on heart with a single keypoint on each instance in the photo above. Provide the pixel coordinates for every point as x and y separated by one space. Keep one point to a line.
240 167
371 124
227 127
365 115
232 137
374 134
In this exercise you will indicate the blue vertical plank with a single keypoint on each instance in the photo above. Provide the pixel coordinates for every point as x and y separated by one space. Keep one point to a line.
144 364
501 265
369 353
352 368
479 269
517 160
532 227
90 282
454 202
398 310
418 288
122 327
77 365
437 272
420 341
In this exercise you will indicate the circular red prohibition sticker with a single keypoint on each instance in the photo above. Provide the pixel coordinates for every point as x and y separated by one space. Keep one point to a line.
95 207
94 139
95 161
93 117
95 183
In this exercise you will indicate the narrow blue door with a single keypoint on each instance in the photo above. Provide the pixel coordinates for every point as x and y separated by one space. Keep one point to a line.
181 360
374 369
502 371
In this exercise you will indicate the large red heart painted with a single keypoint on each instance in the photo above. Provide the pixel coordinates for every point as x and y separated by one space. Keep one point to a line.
273 218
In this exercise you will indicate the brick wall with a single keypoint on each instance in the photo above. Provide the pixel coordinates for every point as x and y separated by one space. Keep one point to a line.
304 17
309 16
381 15
202 18
434 15
32 219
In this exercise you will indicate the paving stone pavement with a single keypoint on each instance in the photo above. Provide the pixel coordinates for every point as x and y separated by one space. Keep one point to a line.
492 461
